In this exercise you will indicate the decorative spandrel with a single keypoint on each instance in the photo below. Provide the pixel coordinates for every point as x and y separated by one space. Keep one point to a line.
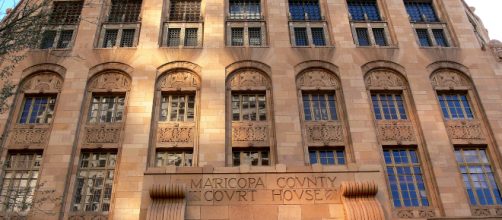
110 81
465 131
317 79
176 135
248 134
103 134
384 79
29 136
324 134
249 79
449 79
396 131
178 80
43 82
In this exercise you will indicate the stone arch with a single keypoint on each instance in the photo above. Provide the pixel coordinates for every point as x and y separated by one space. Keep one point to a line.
384 78
120 67
433 67
178 79
186 65
109 81
382 64
316 64
42 81
44 67
248 79
319 78
248 64
450 78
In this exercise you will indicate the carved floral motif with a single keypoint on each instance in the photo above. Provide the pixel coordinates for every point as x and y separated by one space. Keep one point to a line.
253 134
324 133
481 212
29 136
448 78
102 134
317 78
396 130
416 213
384 79
179 79
464 129
43 81
249 79
487 211
182 134
110 81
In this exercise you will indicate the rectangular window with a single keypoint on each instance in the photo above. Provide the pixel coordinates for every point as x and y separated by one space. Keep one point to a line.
127 39
379 35
65 38
184 10
423 37
125 11
405 178
191 37
173 37
94 182
37 110
177 158
252 157
440 37
327 156
249 107
20 177
421 11
478 176
244 9
363 37
304 10
48 38
237 36
107 108
319 106
318 36
455 106
110 38
254 36
66 12
388 106
301 38
362 10
177 107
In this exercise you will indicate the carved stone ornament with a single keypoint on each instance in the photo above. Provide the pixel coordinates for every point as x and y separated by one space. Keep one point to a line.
416 213
465 130
449 79
87 216
248 79
359 201
317 78
29 136
384 79
481 211
396 130
324 133
168 202
487 211
178 79
43 82
250 134
110 81
183 135
496 47
99 134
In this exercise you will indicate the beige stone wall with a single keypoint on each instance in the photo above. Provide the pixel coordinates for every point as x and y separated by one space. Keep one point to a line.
130 191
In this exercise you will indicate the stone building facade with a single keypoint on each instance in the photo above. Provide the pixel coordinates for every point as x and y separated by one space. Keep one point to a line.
256 109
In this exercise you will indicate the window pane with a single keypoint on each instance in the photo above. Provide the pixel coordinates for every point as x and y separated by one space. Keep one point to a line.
254 157
176 158
423 37
255 36
440 37
362 36
304 10
65 38
237 37
326 156
37 110
125 11
318 36
173 37
252 107
388 106
127 39
66 12
48 38
379 34
455 106
244 9
191 37
107 109
361 10
110 38
301 38
421 11
184 10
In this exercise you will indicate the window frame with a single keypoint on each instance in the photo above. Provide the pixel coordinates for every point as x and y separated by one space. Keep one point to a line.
259 150
101 95
457 93
184 156
334 149
51 96
309 25
398 113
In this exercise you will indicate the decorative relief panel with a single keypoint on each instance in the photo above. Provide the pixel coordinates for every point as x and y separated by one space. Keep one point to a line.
384 79
103 134
178 79
246 79
317 79
43 82
26 135
423 213
487 211
449 79
496 47
324 133
110 81
465 130
395 131
250 134
176 135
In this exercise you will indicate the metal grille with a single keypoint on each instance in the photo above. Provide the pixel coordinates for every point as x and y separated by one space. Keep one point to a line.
37 110
379 35
440 37
478 176
254 36
173 37
423 37
177 108
318 36
455 106
304 10
319 107
254 157
191 37
48 38
388 106
127 39
65 38
405 178
110 38
420 10
245 9
361 10
125 11
326 156
107 109
66 12
176 158
362 37
249 107
301 38
19 181
94 182
184 10
237 36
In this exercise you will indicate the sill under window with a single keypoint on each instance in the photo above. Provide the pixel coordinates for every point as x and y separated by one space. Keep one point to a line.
52 48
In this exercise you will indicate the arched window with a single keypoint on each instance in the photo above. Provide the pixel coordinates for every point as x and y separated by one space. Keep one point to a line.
249 117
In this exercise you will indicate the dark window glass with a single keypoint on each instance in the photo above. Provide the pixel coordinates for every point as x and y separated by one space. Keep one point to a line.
254 36
249 107
318 36
110 38
184 10
37 110
327 156
405 177
48 38
440 37
176 158
177 108
107 109
245 9
421 11
66 12
379 35
455 106
65 38
388 106
362 36
423 37
304 10
478 176
191 37
237 36
173 37
319 107
252 157
301 38
127 39
125 11
361 10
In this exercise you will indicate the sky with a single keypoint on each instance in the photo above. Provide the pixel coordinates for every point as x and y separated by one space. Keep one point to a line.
487 10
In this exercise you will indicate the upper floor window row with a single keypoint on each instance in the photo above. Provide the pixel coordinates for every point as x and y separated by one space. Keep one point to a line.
124 11
66 12
421 11
244 9
184 10
363 10
304 10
